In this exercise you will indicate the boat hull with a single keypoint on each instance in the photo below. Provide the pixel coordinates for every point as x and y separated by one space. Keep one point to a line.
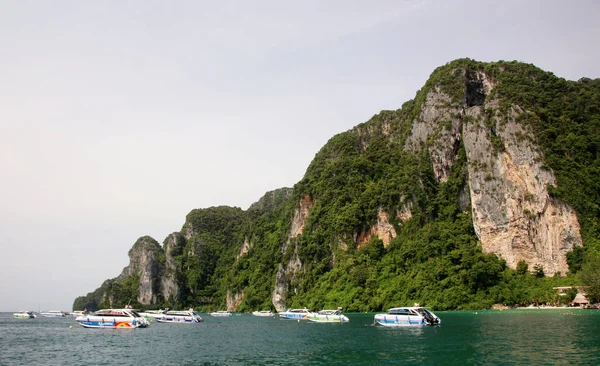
300 316
111 323
399 320
263 314
53 315
178 319
319 318
221 315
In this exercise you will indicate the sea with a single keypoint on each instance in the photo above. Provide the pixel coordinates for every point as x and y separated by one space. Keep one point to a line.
510 337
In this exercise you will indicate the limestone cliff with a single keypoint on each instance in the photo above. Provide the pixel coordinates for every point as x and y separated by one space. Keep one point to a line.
289 272
513 214
479 160
170 278
144 262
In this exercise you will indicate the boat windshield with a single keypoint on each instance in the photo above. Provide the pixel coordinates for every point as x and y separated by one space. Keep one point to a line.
401 311
135 313
423 311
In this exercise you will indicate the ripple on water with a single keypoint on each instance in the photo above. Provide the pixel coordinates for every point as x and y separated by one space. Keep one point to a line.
488 337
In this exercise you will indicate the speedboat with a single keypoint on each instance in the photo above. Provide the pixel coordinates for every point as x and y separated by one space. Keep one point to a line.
221 314
113 318
152 314
263 313
407 316
52 314
328 316
179 316
295 314
24 315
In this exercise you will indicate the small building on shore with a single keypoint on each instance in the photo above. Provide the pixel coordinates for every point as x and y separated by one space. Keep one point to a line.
579 300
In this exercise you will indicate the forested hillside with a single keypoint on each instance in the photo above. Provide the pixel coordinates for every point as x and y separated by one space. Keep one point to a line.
467 196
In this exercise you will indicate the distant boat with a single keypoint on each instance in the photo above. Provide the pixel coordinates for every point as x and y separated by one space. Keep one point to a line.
220 314
52 314
328 316
179 316
263 313
113 318
295 314
407 316
24 315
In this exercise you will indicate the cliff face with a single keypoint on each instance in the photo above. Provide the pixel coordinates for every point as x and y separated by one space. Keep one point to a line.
143 261
289 272
170 279
466 147
513 214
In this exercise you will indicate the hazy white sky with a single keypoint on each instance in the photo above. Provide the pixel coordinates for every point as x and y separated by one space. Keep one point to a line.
119 117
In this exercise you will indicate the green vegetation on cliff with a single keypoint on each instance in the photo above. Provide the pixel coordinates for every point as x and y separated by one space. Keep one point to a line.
233 256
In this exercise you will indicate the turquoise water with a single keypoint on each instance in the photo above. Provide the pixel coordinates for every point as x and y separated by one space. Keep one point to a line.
515 337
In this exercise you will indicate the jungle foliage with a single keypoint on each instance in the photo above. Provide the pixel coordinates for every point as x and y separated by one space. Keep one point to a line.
435 259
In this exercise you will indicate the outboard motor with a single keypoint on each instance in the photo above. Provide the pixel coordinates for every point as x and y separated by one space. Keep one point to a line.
429 318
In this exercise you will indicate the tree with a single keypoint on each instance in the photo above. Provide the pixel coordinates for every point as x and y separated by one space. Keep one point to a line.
538 271
522 267
575 259
590 275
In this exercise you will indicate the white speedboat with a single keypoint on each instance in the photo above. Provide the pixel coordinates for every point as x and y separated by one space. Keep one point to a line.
24 315
113 318
152 314
295 314
52 314
407 316
179 316
220 314
328 316
263 313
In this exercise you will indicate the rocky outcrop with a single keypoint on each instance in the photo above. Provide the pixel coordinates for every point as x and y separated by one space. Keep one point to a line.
300 216
381 229
244 249
284 280
286 275
234 299
144 262
169 281
513 214
437 129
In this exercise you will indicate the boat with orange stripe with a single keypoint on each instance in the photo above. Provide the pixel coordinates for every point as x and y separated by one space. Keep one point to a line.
113 319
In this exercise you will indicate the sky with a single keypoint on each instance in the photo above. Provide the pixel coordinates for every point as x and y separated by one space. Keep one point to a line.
117 118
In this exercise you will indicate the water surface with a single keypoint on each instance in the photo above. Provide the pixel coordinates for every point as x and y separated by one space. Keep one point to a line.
549 337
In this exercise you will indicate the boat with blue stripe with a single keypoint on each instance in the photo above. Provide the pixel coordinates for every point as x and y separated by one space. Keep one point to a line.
113 319
180 316
295 314
407 317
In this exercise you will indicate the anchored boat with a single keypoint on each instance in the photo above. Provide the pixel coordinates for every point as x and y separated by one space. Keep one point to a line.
407 316
263 313
179 316
152 314
113 318
24 315
220 314
295 314
328 316
52 314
